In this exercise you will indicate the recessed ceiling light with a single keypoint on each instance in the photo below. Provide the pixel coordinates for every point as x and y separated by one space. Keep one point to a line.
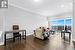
36 0
62 6
71 3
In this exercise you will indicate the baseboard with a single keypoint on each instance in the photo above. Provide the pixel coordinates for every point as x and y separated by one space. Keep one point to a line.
73 40
1 43
29 34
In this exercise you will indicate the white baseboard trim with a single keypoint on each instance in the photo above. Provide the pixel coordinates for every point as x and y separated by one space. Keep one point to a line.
73 39
29 34
1 43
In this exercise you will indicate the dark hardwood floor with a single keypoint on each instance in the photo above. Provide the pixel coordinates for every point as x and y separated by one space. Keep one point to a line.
53 43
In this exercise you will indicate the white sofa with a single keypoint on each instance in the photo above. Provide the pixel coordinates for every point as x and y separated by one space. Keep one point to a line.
38 33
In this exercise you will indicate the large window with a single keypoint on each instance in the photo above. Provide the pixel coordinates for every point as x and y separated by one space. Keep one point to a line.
60 24
57 24
68 22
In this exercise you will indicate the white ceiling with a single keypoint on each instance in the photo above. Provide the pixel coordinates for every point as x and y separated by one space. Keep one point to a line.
43 7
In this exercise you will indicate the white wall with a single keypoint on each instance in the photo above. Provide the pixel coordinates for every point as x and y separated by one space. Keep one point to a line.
1 25
24 19
60 16
73 32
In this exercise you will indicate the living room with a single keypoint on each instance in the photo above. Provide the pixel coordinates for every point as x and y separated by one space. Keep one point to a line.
30 15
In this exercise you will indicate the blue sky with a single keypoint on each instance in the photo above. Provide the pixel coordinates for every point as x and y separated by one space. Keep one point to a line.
61 22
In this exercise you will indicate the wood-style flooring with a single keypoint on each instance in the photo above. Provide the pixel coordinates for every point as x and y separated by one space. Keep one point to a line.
53 43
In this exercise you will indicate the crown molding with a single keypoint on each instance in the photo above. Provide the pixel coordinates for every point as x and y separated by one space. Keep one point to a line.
25 9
